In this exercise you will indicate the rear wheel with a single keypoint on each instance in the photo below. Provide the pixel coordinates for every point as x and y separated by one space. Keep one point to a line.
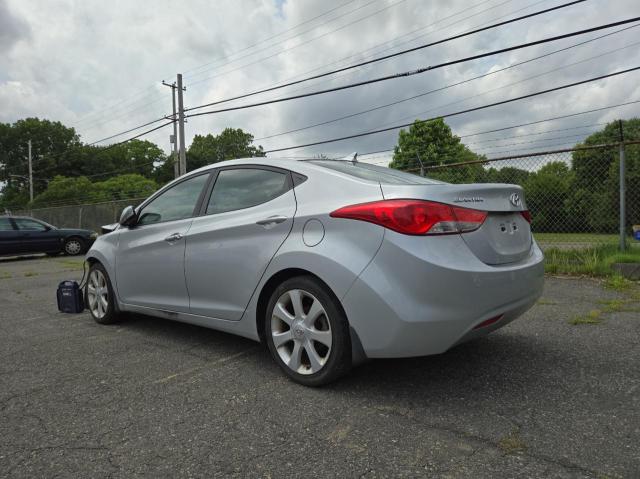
99 295
73 246
307 332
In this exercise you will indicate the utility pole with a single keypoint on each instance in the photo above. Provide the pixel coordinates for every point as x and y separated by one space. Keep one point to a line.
174 137
623 215
30 174
421 165
183 153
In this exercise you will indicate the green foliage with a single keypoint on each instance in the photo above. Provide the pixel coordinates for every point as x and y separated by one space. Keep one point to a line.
435 144
547 192
580 196
231 143
591 261
79 190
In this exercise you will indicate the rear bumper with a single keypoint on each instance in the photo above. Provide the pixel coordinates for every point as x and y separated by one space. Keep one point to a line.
421 296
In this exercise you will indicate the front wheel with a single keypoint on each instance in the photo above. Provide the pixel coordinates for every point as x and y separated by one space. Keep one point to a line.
307 333
99 296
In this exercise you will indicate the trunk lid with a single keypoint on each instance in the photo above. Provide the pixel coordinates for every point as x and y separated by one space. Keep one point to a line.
504 237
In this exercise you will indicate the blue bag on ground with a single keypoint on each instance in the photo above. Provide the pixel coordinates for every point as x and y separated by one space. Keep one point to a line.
70 298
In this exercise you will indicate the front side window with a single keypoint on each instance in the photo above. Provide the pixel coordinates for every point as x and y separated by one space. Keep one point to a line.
24 224
5 224
176 203
245 187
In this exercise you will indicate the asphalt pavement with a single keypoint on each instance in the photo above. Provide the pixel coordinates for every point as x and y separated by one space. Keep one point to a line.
543 397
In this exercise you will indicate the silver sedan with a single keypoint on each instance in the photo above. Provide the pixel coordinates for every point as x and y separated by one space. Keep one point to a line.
329 263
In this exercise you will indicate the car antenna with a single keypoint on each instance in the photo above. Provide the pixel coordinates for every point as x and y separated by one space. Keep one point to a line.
354 157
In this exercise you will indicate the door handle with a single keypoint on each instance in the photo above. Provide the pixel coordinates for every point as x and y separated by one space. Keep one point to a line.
272 220
173 237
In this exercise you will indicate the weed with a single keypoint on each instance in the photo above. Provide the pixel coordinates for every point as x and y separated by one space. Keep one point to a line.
512 443
593 317
5 275
28 274
546 302
617 283
591 261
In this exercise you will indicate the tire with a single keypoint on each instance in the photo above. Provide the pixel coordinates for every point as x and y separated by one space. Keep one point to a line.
73 246
312 351
97 292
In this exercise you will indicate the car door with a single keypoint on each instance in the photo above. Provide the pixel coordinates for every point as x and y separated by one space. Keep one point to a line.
150 254
37 237
9 237
247 216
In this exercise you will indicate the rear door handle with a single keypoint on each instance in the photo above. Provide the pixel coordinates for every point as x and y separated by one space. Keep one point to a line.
272 220
173 237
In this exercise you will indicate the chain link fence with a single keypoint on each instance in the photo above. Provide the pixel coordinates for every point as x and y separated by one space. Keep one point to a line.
89 217
573 194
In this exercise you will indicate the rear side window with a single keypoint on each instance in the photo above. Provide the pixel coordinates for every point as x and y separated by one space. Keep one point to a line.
380 174
5 224
245 187
176 203
29 225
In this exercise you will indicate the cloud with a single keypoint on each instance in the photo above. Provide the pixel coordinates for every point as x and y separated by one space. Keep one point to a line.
13 29
97 66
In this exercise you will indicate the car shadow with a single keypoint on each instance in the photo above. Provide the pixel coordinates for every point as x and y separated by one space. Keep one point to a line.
498 363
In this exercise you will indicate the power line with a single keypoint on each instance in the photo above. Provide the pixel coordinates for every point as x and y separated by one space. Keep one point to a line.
375 47
468 110
299 44
417 71
524 80
260 42
392 55
292 37
429 92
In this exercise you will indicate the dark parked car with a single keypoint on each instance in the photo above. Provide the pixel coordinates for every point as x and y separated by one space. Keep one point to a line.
23 235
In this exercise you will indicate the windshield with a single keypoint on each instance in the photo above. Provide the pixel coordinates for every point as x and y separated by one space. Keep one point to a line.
367 171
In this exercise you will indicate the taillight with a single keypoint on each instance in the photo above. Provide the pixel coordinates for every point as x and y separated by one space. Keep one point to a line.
526 215
415 217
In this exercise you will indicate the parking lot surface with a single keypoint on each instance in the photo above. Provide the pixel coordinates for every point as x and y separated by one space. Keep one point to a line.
542 397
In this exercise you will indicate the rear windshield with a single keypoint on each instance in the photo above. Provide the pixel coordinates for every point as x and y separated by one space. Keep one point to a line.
366 171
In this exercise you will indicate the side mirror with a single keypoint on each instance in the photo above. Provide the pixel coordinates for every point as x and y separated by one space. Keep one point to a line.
128 216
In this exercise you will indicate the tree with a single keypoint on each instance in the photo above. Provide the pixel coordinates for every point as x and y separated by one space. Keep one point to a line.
76 190
548 192
435 144
595 197
230 144
49 140
80 190
126 186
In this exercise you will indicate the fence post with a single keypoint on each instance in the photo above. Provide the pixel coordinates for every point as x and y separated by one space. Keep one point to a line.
622 192
80 217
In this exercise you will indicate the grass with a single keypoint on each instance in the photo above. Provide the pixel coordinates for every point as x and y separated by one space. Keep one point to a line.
617 283
546 302
593 317
512 443
577 238
619 305
28 274
591 261
72 262
5 275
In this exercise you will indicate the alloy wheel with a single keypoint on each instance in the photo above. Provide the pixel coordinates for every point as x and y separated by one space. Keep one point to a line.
73 247
301 331
98 294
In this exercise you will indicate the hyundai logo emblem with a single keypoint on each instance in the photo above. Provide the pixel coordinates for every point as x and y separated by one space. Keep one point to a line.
515 199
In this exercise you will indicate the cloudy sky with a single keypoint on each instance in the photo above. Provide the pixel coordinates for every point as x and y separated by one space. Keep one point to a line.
98 66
